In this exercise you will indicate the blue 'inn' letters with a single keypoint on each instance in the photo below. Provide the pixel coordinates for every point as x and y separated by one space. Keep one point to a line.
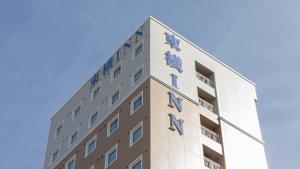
174 61
172 41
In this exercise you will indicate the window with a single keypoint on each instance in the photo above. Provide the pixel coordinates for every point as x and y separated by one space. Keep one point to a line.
96 92
93 119
58 130
137 164
115 96
54 156
90 146
111 156
136 133
73 137
138 50
76 112
116 72
137 75
71 163
112 125
136 103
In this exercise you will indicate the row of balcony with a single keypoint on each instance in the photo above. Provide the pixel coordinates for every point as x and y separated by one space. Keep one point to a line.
204 79
210 134
206 105
212 150
211 164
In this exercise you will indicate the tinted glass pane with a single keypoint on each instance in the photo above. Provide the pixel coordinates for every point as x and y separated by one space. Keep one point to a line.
97 92
139 50
94 118
112 157
58 130
115 98
92 146
114 125
138 75
137 103
117 71
71 165
74 137
138 165
137 134
77 111
54 156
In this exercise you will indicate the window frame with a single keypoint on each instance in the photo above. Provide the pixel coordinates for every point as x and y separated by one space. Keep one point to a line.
90 118
51 155
118 89
136 47
132 111
74 112
133 82
113 148
138 159
70 137
71 159
108 132
55 135
86 153
140 125
93 97
113 71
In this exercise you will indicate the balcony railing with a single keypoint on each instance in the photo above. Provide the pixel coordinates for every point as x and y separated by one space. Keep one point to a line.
206 105
210 134
204 79
211 164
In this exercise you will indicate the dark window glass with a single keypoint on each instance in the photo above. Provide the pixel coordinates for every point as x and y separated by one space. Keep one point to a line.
138 75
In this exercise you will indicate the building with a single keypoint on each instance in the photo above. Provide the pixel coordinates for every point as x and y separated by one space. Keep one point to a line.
159 102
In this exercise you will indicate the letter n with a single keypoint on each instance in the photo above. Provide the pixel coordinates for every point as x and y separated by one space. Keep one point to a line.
176 124
173 101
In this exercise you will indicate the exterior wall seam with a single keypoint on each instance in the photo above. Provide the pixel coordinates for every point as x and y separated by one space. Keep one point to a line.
196 103
174 90
241 130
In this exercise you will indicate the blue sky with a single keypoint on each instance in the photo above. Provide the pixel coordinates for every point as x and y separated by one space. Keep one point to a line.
48 49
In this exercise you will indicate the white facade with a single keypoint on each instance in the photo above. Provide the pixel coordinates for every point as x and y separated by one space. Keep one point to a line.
234 96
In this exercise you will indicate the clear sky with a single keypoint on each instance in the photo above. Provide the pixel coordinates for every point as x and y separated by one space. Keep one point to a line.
48 49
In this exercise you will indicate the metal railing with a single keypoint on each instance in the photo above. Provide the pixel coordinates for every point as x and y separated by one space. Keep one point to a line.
211 164
206 105
204 79
210 134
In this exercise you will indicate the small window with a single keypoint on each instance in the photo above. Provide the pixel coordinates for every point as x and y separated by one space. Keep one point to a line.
115 97
136 134
113 125
71 163
73 137
54 155
138 50
93 119
90 146
137 75
96 92
116 72
137 164
58 130
76 113
136 103
111 156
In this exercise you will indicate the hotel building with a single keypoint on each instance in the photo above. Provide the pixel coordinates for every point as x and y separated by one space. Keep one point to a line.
159 102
